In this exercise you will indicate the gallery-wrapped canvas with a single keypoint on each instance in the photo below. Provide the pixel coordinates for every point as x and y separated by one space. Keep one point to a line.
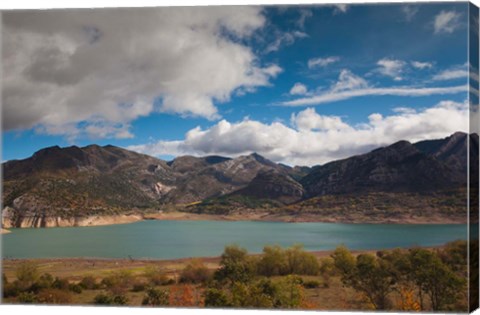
303 157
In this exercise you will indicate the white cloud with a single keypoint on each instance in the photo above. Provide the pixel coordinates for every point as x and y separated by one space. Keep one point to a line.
451 74
350 85
304 15
298 89
82 72
341 7
284 39
314 138
446 22
421 65
308 119
322 62
348 81
409 11
391 68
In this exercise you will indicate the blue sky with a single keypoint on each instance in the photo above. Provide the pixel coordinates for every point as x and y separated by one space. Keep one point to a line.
300 84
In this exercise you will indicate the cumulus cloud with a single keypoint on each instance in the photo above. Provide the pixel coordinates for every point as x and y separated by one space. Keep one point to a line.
350 86
446 22
313 138
298 89
322 62
81 72
391 68
309 119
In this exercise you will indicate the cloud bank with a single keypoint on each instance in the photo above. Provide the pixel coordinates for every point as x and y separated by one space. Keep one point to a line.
92 72
312 138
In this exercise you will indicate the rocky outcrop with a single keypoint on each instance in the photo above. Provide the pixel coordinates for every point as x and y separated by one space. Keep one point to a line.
275 186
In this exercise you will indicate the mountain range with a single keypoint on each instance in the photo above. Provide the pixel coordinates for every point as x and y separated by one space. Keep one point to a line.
108 180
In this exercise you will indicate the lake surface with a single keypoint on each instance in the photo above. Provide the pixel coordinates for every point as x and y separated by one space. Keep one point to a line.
180 239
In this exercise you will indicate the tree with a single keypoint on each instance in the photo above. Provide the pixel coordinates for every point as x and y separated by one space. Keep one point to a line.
273 262
435 278
300 262
290 292
216 298
374 279
27 273
367 274
345 263
235 265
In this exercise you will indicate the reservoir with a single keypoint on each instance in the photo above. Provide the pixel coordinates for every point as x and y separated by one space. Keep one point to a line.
180 239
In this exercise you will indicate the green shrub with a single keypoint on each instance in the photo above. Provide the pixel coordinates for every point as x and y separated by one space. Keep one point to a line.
195 272
88 283
156 276
155 297
27 298
76 288
61 284
216 298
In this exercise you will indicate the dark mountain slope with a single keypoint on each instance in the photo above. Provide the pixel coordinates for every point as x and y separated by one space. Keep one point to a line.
400 167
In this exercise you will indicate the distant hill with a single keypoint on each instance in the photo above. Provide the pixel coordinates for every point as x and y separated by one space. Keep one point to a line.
96 180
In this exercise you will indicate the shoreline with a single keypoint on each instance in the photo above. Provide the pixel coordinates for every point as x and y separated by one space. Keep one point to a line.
256 217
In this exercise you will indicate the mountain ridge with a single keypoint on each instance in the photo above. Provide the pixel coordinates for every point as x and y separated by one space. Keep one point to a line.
108 180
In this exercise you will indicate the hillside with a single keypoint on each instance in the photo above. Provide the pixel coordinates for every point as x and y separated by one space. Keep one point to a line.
78 182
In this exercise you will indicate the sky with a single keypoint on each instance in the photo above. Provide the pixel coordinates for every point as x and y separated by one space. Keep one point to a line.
300 85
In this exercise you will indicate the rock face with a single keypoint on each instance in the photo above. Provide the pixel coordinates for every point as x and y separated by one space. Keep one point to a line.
273 185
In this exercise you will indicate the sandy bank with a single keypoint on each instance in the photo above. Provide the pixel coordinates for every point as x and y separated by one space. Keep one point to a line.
4 231
29 222
303 218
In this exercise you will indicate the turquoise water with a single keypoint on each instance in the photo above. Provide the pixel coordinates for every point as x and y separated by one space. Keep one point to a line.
179 239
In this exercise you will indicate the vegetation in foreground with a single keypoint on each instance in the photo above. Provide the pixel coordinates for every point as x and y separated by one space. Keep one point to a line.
413 279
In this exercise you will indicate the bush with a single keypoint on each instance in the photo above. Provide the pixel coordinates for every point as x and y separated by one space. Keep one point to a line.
103 299
76 288
311 284
156 276
88 283
216 298
118 282
27 273
138 287
27 298
235 265
273 262
54 296
195 272
61 284
300 262
11 289
155 297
